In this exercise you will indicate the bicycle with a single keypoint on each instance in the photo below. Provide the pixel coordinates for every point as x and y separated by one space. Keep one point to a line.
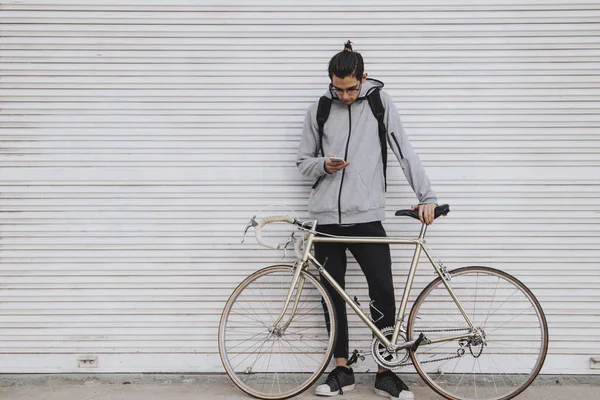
483 337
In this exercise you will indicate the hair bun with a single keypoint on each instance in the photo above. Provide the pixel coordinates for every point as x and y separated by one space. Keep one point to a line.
348 46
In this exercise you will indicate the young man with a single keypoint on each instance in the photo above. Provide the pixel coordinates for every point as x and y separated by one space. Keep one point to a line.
348 199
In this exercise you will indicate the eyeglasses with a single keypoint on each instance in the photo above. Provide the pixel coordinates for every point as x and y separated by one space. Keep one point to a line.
340 92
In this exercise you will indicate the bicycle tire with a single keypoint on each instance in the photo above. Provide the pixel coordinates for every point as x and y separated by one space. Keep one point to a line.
515 330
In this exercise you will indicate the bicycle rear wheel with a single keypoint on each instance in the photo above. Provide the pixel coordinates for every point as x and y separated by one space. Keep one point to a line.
514 328
275 362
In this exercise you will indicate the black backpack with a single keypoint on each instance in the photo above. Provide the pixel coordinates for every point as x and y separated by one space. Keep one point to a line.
374 99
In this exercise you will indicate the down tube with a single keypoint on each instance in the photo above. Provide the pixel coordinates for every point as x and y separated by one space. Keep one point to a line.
349 301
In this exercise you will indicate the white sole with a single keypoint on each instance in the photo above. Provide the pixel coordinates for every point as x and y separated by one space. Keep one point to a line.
345 389
389 396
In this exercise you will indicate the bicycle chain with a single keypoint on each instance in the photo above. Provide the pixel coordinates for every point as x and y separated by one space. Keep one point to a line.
460 352
430 361
446 330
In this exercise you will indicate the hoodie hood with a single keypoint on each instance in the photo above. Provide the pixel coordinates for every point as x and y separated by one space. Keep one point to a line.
366 88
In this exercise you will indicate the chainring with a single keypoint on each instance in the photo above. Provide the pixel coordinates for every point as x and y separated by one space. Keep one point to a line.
383 357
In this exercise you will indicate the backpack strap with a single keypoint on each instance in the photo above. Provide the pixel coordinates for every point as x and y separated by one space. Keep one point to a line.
322 115
378 110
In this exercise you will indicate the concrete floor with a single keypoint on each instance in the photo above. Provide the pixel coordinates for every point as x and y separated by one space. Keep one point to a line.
214 387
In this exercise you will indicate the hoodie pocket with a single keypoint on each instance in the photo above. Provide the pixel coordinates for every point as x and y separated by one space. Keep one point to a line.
319 179
355 196
376 188
323 198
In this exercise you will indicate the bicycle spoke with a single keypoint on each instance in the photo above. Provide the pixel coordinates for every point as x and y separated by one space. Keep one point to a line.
492 301
499 372
494 380
248 316
506 375
296 348
473 375
250 313
317 349
265 306
459 382
445 362
305 317
281 352
475 302
266 369
256 347
250 355
510 320
501 305
312 339
239 344
299 360
481 372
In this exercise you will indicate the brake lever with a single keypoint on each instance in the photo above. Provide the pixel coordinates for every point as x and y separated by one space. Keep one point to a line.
251 224
291 240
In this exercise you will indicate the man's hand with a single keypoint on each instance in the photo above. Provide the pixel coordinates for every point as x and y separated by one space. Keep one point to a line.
426 212
331 167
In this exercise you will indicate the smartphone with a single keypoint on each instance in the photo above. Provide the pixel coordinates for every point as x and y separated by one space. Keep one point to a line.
336 159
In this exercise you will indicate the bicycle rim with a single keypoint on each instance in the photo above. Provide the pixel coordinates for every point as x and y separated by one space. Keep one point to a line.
276 363
511 320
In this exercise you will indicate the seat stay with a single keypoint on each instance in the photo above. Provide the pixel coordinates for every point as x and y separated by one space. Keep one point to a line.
445 277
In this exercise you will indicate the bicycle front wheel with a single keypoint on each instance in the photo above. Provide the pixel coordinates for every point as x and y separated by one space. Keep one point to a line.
497 364
276 362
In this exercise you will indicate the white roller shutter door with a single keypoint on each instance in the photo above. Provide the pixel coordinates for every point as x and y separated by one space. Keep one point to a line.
138 137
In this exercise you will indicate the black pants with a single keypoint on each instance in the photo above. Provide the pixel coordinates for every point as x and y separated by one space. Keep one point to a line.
375 262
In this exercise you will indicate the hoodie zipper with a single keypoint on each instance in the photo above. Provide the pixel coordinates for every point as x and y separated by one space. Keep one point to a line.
345 158
398 146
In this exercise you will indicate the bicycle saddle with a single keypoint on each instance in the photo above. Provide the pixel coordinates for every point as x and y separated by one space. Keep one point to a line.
444 209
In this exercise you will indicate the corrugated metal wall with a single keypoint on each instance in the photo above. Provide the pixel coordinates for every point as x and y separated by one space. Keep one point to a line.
138 137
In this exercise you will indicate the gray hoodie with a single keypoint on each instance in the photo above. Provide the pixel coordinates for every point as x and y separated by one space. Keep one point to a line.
357 193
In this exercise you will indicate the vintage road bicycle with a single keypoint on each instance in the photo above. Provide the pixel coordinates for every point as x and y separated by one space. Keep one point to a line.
472 333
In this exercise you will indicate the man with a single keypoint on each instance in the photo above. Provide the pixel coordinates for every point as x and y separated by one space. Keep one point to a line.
348 199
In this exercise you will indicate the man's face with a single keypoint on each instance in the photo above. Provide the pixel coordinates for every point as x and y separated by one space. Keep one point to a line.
347 89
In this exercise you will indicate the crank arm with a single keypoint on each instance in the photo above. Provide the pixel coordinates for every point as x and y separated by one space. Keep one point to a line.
413 344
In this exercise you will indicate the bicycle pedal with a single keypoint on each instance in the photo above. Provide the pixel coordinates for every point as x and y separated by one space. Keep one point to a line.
418 342
356 355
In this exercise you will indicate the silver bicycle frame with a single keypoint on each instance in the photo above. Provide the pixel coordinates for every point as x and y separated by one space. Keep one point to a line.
302 264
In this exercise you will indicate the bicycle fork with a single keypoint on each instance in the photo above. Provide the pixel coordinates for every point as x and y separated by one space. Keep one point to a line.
300 265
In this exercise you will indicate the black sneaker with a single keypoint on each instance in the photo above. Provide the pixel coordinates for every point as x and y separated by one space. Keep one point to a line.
390 385
340 380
